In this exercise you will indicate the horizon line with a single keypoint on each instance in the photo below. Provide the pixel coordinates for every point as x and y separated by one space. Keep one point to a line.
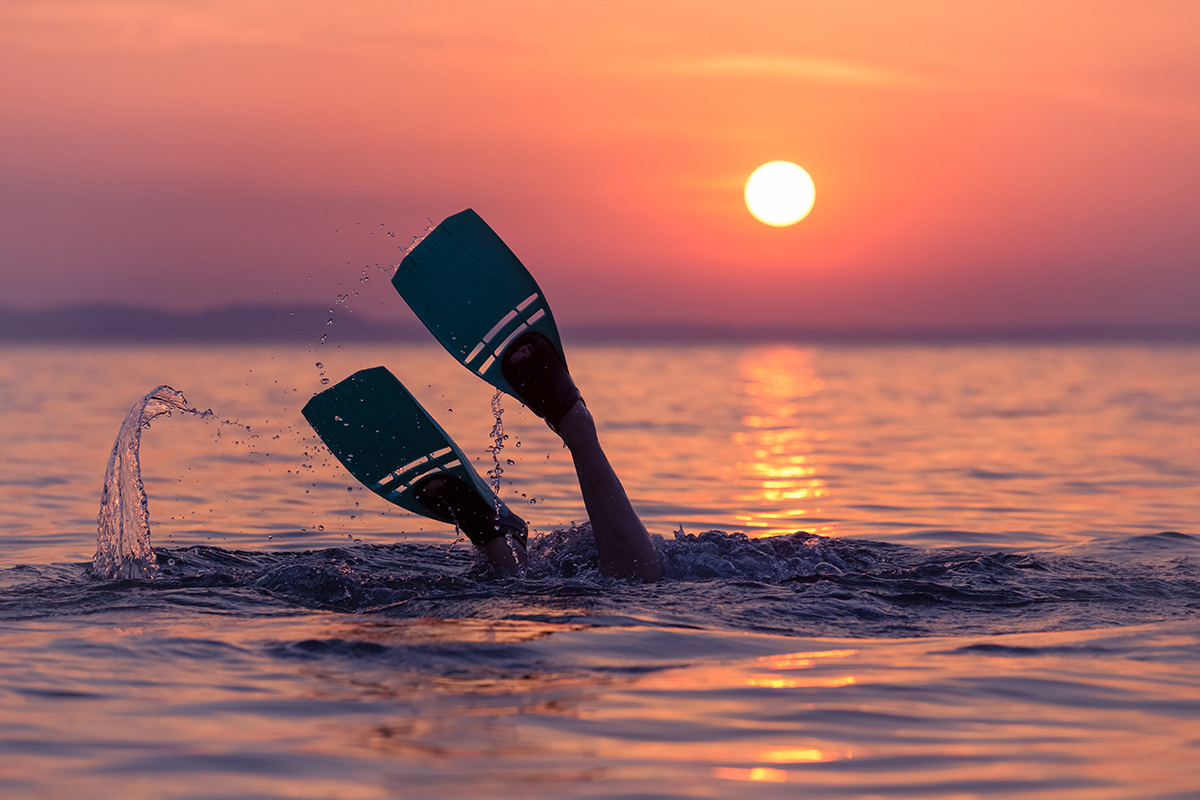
115 323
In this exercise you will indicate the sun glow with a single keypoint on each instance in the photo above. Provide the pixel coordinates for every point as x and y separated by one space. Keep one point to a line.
780 193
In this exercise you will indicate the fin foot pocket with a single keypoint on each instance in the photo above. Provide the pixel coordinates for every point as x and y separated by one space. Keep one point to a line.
534 368
449 499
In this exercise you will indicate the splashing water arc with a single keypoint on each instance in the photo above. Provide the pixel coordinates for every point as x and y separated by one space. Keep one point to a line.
123 524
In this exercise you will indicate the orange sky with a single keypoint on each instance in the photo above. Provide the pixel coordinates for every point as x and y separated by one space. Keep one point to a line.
976 164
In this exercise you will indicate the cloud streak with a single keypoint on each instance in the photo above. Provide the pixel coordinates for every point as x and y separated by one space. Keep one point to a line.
817 70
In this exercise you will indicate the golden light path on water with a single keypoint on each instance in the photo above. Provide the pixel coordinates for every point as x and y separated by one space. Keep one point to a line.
777 441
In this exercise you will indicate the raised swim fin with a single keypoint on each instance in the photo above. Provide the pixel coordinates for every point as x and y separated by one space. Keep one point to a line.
382 435
474 295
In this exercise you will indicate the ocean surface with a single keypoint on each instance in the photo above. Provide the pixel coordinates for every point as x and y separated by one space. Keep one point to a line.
893 572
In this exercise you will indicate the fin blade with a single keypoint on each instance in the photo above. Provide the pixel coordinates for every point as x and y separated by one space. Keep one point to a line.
380 433
473 294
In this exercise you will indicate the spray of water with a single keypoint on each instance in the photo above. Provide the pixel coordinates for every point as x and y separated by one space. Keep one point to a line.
123 540
498 436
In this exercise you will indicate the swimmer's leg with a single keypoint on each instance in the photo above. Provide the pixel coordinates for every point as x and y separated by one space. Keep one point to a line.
500 537
533 367
621 539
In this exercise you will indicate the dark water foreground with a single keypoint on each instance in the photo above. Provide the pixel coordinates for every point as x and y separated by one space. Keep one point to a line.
779 585
786 667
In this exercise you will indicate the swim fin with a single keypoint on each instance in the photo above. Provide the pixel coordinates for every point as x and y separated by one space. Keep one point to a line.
474 295
382 435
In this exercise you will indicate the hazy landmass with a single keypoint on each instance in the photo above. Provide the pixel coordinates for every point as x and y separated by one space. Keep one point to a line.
106 323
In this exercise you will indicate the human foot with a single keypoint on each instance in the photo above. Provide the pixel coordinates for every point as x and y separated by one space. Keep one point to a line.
537 373
450 500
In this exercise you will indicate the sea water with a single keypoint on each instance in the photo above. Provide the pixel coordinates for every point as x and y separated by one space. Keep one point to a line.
893 571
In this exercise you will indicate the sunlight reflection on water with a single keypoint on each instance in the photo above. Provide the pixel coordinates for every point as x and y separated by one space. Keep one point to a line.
778 468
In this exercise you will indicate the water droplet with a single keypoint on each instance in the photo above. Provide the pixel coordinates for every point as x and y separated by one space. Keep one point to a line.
324 381
320 365
320 527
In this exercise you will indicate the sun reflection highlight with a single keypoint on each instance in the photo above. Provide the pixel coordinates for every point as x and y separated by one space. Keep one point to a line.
803 660
782 485
801 755
763 774
776 682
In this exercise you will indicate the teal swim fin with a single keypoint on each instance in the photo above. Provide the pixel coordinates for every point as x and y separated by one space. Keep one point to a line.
474 295
382 435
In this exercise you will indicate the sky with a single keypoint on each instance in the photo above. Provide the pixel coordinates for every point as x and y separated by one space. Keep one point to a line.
986 164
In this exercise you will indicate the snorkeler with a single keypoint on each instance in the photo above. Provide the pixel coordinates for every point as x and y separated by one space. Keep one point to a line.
472 292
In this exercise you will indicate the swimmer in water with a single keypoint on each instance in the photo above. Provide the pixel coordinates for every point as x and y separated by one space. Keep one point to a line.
462 280
535 370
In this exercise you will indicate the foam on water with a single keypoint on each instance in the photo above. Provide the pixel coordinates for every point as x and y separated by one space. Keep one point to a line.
782 586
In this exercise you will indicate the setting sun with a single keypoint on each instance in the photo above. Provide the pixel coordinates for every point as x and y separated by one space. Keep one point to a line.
780 193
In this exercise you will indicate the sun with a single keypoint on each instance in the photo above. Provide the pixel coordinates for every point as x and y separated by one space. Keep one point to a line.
780 193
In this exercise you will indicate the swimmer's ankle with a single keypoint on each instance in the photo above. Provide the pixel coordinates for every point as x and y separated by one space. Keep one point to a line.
538 375
577 427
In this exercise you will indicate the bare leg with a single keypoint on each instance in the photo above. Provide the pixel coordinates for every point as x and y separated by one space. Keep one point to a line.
537 373
622 541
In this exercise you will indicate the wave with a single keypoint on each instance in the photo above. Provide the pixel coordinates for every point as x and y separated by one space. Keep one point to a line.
799 584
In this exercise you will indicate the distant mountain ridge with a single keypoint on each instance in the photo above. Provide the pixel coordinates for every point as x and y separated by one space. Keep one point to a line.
279 323
110 323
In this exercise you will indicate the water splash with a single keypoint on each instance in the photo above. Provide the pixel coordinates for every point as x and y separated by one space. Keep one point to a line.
123 538
498 437
420 237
